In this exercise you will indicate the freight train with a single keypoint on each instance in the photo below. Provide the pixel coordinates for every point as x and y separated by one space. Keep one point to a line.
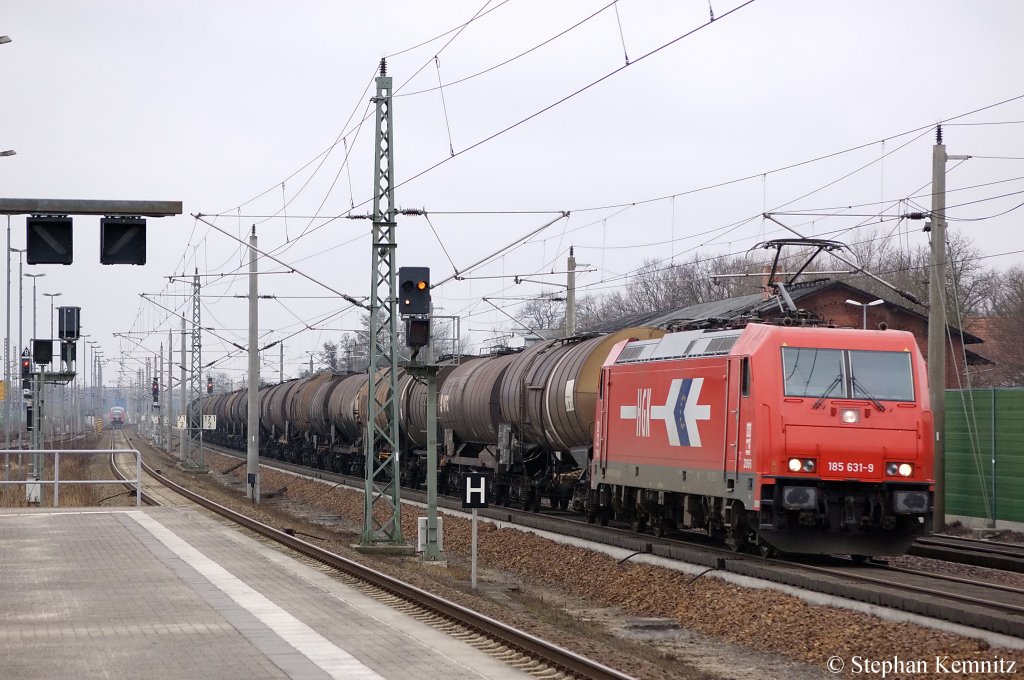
775 438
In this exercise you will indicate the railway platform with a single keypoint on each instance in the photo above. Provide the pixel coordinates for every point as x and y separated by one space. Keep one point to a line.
164 593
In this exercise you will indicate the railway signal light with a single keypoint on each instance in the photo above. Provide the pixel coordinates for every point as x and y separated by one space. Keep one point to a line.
48 240
42 351
26 373
122 240
414 290
68 352
417 332
209 384
156 392
69 323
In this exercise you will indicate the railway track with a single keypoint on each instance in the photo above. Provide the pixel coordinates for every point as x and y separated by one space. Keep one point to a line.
526 652
988 606
977 552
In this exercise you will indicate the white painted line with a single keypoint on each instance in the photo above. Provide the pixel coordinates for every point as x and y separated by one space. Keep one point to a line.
332 659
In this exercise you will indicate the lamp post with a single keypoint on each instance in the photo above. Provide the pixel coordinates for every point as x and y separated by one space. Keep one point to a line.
34 277
92 378
864 306
7 361
21 315
51 296
56 364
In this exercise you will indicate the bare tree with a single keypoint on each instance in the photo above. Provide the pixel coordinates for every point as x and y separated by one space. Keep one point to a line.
1003 330
542 313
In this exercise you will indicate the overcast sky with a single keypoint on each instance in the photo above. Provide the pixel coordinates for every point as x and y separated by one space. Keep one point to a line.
245 110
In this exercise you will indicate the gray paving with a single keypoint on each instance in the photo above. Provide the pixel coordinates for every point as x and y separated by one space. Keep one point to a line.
168 593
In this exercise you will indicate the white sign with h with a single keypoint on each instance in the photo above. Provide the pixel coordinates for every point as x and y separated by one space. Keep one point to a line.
474 490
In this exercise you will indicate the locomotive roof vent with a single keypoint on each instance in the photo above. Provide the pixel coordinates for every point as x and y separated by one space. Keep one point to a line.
680 345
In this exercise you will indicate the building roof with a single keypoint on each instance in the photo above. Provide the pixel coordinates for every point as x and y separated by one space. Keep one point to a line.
755 307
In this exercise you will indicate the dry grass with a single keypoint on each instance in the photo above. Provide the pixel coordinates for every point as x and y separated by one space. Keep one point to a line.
72 467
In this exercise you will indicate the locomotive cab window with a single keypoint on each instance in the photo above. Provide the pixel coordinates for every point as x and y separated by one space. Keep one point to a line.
847 374
813 372
745 376
886 376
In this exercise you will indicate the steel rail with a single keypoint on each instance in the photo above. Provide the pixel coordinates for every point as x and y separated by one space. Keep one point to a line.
528 644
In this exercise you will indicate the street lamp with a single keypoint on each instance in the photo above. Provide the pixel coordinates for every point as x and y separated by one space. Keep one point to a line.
92 377
51 296
21 282
34 277
864 306
21 297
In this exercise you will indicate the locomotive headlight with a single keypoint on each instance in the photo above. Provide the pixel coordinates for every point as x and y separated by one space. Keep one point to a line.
801 465
850 415
899 469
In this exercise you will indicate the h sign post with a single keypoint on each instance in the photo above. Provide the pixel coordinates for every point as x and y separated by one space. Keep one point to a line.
474 491
474 495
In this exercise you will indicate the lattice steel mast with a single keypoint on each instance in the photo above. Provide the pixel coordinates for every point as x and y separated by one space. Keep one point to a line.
194 447
381 441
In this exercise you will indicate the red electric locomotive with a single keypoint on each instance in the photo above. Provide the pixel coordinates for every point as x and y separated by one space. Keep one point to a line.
799 440
116 416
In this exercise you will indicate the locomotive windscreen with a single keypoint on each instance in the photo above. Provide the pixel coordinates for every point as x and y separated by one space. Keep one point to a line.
847 374
881 375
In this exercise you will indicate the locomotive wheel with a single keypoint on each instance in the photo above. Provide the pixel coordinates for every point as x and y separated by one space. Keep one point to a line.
736 541
637 524
767 551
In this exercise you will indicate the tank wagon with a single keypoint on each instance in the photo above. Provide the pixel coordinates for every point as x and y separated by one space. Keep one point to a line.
829 450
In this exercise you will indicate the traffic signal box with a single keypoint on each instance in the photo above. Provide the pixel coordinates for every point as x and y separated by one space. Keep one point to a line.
48 240
122 240
414 302
413 290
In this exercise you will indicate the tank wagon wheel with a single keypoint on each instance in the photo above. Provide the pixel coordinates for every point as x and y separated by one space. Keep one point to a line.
637 523
767 551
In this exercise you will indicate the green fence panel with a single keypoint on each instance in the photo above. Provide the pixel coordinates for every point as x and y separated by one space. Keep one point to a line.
985 453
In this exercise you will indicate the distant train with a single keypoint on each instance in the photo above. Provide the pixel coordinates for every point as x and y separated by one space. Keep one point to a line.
788 439
116 416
